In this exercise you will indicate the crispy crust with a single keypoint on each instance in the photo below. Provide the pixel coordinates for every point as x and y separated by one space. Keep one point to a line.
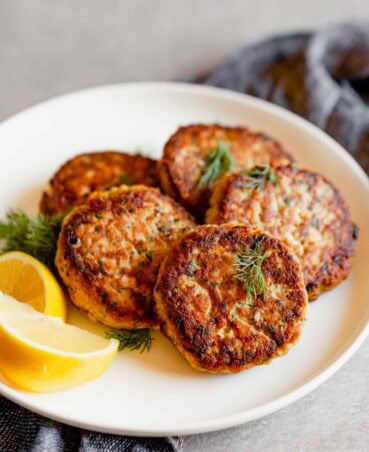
304 210
203 307
109 252
85 173
186 153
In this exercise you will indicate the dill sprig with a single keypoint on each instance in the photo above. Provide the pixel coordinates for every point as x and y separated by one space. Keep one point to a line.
220 161
36 237
248 264
132 339
259 177
123 179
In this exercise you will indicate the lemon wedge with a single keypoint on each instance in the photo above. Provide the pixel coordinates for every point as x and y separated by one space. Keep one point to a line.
28 280
40 353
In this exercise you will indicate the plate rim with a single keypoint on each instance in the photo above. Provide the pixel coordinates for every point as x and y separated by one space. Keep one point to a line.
229 420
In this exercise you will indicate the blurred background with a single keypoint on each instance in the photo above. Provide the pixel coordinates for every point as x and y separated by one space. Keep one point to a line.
49 47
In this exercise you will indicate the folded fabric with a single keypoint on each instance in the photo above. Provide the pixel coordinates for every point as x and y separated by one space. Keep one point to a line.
323 77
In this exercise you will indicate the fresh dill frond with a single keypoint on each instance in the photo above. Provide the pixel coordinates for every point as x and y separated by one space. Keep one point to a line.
124 180
132 339
220 161
149 255
248 264
36 237
259 177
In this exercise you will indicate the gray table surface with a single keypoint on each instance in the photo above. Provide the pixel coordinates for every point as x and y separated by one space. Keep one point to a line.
52 47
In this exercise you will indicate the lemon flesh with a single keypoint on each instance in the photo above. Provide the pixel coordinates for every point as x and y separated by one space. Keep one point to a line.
40 353
28 280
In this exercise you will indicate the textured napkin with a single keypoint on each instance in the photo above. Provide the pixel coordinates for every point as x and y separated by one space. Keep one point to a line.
323 77
23 431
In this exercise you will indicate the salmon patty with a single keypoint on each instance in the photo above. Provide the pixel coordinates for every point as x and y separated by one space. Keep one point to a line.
85 173
197 155
298 206
230 297
110 249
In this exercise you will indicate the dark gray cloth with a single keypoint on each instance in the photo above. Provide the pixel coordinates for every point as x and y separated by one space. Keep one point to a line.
323 77
21 431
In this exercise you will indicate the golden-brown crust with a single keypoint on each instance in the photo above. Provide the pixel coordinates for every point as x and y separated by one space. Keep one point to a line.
204 309
110 249
186 153
304 210
76 179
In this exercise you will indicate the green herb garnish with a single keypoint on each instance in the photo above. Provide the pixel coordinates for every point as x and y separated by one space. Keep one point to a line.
220 161
164 229
259 177
248 264
149 255
101 268
132 339
37 237
191 268
124 180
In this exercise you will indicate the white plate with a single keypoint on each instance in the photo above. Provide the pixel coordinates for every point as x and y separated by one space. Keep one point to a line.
158 393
